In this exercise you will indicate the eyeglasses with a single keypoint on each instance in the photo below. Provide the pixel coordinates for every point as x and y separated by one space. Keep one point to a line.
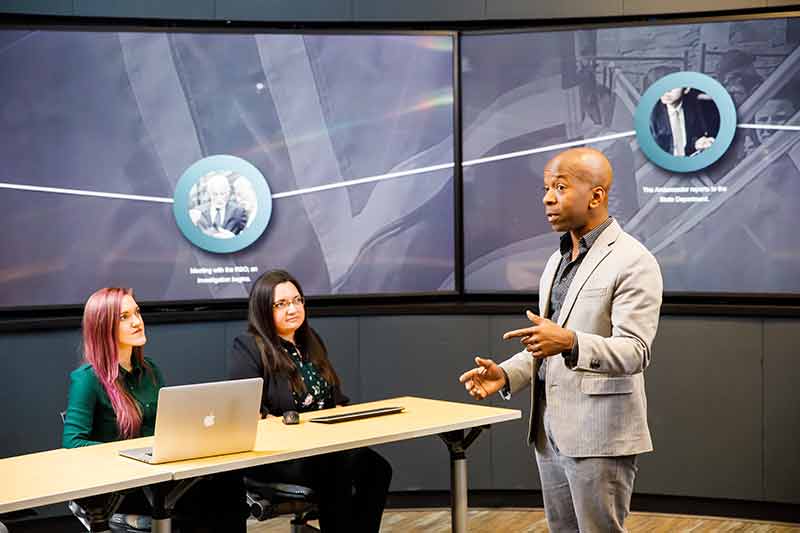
280 305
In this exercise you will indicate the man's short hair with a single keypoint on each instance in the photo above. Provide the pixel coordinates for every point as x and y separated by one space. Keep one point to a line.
217 178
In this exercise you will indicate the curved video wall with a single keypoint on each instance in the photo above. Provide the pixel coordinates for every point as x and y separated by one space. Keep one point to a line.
185 163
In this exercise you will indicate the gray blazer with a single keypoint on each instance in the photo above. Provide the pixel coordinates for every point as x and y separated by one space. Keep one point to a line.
599 407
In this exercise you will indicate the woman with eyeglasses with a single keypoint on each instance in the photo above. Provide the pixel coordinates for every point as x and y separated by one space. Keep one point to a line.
282 348
113 396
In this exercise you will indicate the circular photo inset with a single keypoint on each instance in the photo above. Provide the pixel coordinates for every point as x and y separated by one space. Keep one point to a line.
685 121
222 204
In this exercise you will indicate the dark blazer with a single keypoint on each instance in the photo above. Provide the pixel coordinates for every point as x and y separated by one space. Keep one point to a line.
235 218
701 119
245 361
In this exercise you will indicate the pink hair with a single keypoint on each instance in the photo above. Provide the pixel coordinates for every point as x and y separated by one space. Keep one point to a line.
100 324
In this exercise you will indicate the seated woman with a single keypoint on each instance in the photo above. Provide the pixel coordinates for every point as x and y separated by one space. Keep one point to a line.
114 396
282 348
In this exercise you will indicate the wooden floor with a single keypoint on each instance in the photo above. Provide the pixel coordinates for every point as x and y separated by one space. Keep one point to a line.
532 520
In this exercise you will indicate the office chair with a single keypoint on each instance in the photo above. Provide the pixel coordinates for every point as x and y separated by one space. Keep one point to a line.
269 500
96 513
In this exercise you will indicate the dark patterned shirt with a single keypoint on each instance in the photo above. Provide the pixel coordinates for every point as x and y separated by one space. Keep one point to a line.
567 268
319 393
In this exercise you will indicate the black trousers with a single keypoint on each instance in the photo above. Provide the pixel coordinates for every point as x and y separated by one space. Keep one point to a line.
351 487
216 504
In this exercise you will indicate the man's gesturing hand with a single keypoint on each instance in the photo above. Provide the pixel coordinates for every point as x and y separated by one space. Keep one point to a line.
483 380
545 338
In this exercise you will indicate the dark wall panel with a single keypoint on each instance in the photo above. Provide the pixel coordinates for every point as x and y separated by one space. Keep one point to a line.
188 353
423 356
645 7
35 371
781 411
704 409
232 330
37 7
282 10
340 335
513 461
419 10
173 9
538 9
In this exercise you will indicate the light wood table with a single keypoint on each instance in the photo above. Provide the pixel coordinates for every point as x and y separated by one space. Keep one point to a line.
60 475
458 424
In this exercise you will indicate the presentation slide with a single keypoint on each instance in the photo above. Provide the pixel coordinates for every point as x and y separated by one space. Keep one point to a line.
700 122
185 164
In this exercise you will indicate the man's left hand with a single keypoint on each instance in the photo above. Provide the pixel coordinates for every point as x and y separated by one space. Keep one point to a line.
545 338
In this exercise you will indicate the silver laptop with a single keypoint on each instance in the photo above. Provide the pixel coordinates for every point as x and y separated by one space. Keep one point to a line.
203 420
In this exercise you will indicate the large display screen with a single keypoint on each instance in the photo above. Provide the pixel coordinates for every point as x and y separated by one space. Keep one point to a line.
700 122
184 164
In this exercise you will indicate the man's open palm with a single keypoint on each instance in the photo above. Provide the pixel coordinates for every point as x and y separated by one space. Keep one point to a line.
483 380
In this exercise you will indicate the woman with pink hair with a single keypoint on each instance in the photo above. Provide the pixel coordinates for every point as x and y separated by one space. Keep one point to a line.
114 396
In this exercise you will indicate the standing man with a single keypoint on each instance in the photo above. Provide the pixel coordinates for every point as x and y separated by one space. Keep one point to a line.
585 353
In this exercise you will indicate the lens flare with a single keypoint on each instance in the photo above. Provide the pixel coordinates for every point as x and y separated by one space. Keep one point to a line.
439 98
440 43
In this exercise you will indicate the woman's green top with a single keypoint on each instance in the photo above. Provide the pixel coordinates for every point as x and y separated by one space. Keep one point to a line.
90 419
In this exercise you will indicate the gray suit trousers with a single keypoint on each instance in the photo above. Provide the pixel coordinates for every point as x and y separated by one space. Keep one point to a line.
584 494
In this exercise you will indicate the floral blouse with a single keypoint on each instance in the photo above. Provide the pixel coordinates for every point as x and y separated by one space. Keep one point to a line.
319 393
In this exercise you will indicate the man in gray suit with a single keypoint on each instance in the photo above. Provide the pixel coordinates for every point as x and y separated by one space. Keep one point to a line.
221 217
585 353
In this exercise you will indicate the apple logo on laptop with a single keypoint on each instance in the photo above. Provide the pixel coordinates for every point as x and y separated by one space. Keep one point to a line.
209 420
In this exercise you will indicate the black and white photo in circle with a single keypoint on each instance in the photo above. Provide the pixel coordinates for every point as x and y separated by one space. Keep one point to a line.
222 203
684 122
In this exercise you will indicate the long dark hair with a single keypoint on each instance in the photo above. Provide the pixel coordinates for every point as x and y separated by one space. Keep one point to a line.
261 325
